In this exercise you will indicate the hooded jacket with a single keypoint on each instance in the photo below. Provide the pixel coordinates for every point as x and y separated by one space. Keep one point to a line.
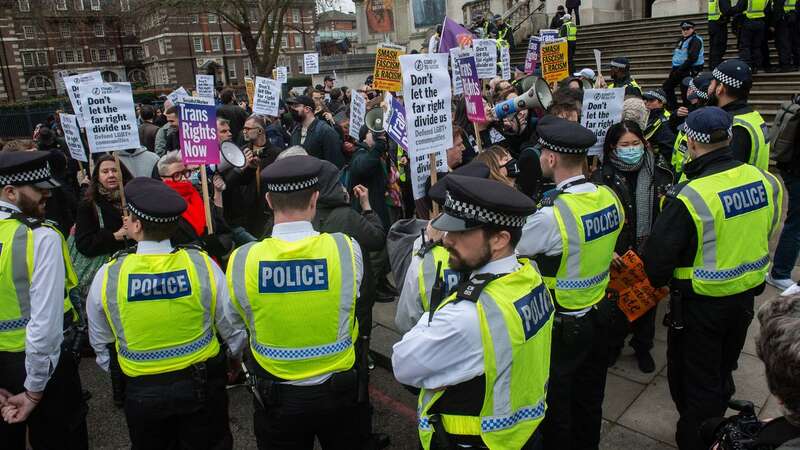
140 162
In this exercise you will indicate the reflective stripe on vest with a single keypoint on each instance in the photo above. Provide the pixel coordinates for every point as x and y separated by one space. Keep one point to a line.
757 129
136 362
16 264
680 54
680 153
790 6
734 194
427 274
713 11
299 362
572 31
516 317
755 9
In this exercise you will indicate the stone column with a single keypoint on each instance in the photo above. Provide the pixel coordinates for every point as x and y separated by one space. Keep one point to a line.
665 8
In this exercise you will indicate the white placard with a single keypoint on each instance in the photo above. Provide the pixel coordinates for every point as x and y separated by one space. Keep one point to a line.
358 109
110 117
601 109
205 85
427 97
196 100
597 60
485 57
421 170
73 85
282 74
505 62
177 95
311 63
267 96
455 53
72 135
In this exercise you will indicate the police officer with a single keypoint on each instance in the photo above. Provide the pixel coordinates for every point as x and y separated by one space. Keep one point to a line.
503 31
714 274
158 311
570 31
482 356
588 218
696 97
619 71
687 60
729 90
719 12
39 382
658 132
752 31
787 34
296 292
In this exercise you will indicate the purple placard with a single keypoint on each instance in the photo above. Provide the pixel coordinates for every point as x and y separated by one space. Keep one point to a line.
197 130
396 125
472 88
532 58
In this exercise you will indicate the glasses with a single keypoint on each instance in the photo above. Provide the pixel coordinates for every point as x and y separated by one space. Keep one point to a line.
686 28
181 175
250 128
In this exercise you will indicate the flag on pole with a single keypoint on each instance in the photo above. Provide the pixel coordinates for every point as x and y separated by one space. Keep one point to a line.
453 35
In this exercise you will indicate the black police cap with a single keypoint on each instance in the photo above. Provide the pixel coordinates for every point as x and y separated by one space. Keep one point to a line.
153 201
292 174
734 73
26 168
563 136
702 124
477 169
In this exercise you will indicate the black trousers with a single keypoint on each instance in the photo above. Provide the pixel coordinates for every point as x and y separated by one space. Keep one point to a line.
787 37
575 13
177 411
701 358
571 56
718 33
643 330
578 367
675 80
59 420
751 38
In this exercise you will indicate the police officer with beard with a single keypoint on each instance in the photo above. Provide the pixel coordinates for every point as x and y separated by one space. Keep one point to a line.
696 96
713 273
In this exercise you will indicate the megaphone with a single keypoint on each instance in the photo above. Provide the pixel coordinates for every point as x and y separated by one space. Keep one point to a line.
374 120
230 156
537 96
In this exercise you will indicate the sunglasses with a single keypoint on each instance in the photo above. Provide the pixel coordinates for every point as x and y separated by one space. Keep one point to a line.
686 28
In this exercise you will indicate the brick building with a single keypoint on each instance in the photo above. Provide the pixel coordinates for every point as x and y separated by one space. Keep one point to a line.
337 32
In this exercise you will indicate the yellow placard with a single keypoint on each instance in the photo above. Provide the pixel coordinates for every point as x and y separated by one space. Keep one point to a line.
387 75
250 87
554 60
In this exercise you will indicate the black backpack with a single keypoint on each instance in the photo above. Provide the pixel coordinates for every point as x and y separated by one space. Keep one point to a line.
783 133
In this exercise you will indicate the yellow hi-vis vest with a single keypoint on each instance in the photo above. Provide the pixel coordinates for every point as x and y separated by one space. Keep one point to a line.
427 274
16 270
572 31
516 320
589 223
755 9
161 308
735 212
713 11
789 6
757 129
680 151
298 301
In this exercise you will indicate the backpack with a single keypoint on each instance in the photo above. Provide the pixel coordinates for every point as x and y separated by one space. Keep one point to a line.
784 131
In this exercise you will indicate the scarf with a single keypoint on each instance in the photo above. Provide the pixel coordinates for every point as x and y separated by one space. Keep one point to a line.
195 212
643 194
113 197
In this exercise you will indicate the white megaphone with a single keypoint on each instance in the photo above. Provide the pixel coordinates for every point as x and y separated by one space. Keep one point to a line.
538 96
231 156
374 120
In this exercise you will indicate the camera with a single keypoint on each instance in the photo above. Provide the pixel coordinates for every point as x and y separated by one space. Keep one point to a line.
737 432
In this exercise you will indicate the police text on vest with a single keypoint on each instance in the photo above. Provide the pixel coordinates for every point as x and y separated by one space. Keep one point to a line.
298 275
534 310
743 199
600 223
158 286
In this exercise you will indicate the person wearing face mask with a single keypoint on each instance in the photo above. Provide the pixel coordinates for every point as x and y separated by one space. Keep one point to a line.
589 218
697 96
316 136
502 166
729 90
712 248
639 177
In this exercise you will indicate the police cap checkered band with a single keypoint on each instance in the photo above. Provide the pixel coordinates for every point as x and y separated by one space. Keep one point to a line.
656 95
618 65
150 218
699 93
727 80
293 186
701 137
468 211
561 148
31 176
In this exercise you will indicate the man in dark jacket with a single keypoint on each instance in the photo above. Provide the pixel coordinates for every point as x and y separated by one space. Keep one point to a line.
317 137
555 23
148 130
687 60
233 113
658 133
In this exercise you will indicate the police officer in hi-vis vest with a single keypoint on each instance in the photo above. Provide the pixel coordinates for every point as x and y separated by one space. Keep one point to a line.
158 310
696 97
569 31
712 248
572 238
719 13
753 31
40 388
296 293
729 90
481 357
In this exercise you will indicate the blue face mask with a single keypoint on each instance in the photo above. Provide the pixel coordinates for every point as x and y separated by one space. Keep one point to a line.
194 178
630 155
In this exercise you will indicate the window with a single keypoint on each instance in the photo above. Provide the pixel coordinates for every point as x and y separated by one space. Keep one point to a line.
298 41
248 72
64 30
253 15
164 75
95 4
40 83
146 51
32 59
194 18
103 55
299 64
24 5
127 53
61 5
215 45
284 41
79 5
232 71
229 43
69 56
99 29
296 15
29 32
212 18
198 44
130 29
124 5
162 47
139 52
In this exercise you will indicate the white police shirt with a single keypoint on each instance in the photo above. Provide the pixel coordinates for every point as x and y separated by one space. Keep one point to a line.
100 333
448 351
409 304
44 332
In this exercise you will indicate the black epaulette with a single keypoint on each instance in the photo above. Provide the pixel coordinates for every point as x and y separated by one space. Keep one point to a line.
549 197
471 289
30 222
427 247
123 252
189 246
675 189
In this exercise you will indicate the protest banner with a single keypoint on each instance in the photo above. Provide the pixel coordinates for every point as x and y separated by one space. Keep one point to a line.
282 74
204 85
597 59
554 60
196 100
250 88
420 166
548 35
455 53
311 63
532 57
505 62
177 95
72 136
358 109
472 89
197 133
601 109
395 123
485 57
427 96
267 96
636 295
453 36
386 75
73 85
111 117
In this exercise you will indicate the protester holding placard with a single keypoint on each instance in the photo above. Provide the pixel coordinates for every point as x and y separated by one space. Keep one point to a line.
167 136
316 136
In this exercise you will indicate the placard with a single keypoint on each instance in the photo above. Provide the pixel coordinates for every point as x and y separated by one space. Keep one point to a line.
420 166
505 62
73 85
427 97
548 35
197 132
630 282
282 74
358 109
177 95
472 89
455 53
196 100
386 75
597 59
250 88
267 96
204 85
311 63
532 58
110 117
395 122
485 57
555 61
72 135
601 109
